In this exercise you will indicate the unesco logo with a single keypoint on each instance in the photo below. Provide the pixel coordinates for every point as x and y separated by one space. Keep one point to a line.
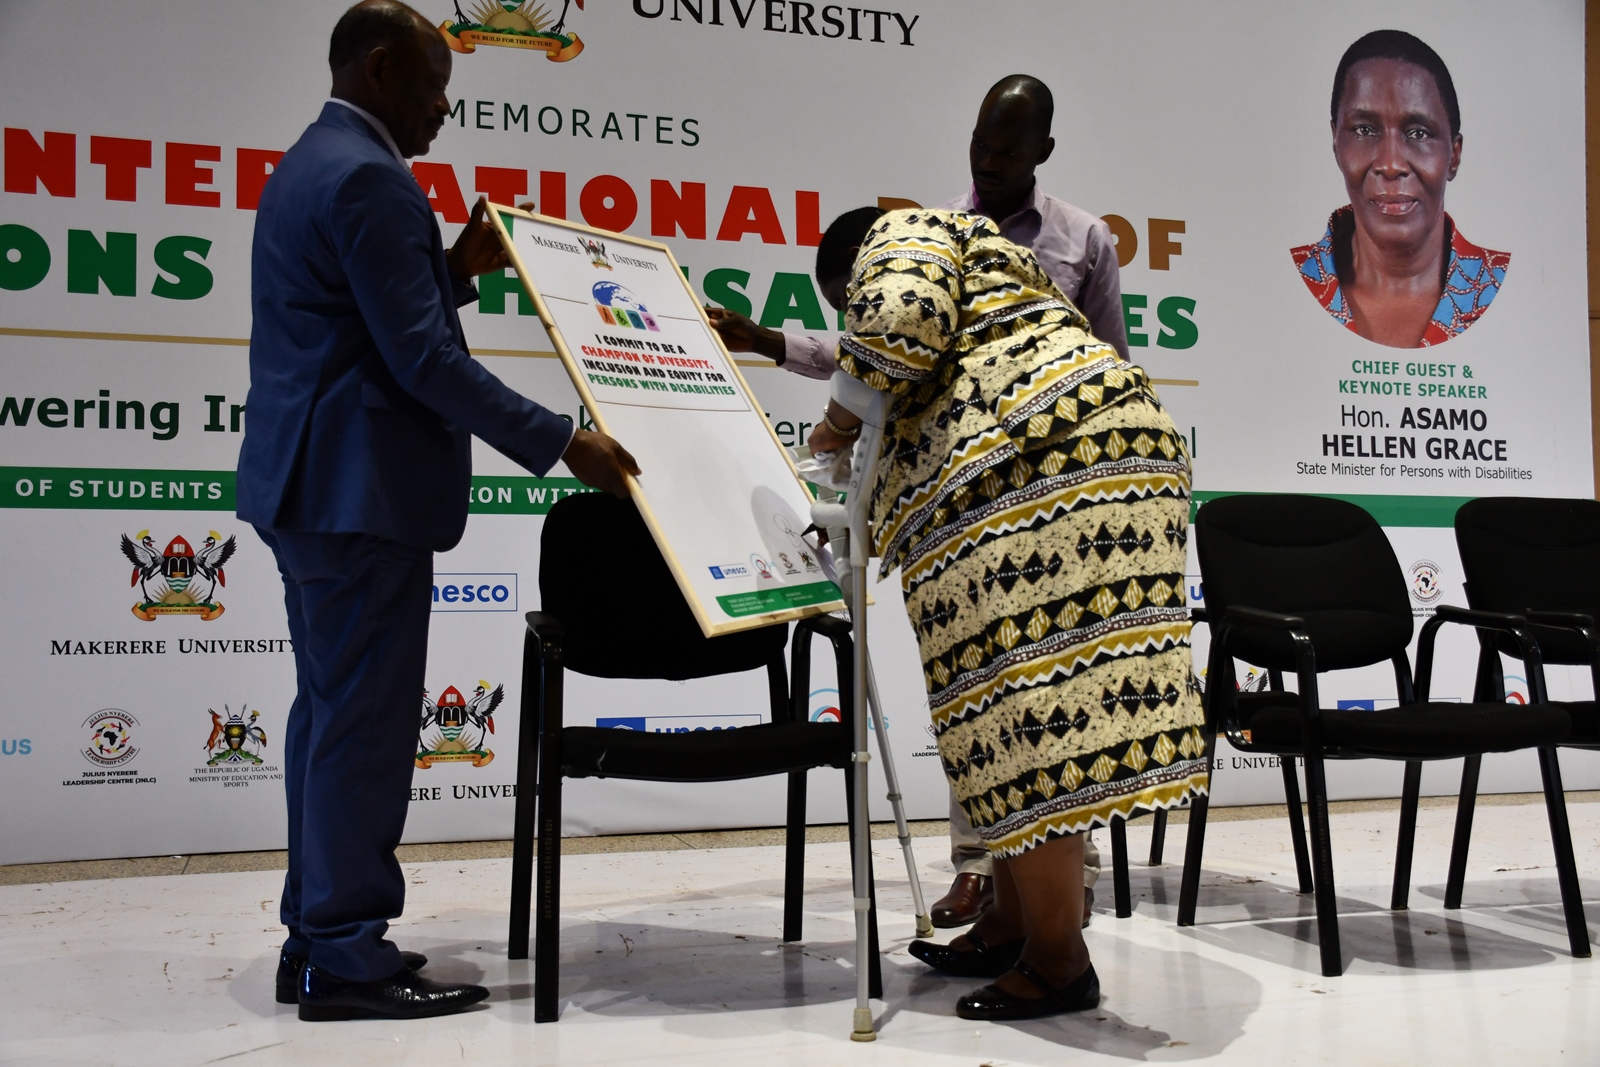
474 592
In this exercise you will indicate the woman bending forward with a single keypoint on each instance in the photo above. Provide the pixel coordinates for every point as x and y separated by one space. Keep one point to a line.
1035 496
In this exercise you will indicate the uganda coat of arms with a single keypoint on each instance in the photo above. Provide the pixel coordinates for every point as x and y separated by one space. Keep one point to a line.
229 738
460 727
179 580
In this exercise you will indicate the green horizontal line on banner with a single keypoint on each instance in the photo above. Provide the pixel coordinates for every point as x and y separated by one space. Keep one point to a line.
99 335
1436 511
131 489
125 489
241 342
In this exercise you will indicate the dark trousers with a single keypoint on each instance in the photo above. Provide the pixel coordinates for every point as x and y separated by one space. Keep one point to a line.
358 615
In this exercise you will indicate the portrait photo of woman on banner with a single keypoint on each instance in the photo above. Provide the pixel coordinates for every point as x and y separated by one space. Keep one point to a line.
1392 265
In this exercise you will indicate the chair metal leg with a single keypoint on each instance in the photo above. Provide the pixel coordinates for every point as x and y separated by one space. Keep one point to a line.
1399 896
1297 822
1466 807
874 956
1555 804
547 919
1489 687
1189 893
1119 868
1322 859
1158 836
874 961
524 818
788 705
794 858
547 916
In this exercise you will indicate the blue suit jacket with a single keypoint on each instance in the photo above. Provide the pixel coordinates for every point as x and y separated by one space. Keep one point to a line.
362 392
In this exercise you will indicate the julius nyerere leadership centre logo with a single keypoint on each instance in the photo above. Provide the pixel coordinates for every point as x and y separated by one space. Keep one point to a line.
180 579
513 25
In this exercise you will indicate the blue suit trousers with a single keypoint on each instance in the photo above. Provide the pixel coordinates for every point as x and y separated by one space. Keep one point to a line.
358 609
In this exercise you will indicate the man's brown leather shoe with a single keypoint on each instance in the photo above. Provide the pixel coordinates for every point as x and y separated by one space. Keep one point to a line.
969 895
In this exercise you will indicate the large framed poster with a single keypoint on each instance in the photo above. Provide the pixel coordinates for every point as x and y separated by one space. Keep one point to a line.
718 490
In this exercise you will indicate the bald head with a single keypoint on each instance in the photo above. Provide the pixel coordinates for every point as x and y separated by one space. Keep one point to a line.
1010 139
1023 99
389 61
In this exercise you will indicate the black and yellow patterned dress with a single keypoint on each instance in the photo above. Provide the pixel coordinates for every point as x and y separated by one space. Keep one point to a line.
1036 497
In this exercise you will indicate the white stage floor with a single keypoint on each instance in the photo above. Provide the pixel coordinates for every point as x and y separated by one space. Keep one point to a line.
674 958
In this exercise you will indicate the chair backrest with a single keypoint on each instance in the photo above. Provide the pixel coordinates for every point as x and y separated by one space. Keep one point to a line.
1533 553
602 575
1324 560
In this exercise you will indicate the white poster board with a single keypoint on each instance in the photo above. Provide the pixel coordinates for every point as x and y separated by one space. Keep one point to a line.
718 490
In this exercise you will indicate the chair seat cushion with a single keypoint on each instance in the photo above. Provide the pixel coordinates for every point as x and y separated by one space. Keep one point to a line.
1585 723
1436 730
602 575
704 755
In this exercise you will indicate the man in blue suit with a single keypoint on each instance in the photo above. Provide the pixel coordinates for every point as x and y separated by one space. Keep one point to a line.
355 469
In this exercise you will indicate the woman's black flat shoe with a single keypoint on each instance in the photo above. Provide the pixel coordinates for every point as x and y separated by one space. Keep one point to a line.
979 962
992 1002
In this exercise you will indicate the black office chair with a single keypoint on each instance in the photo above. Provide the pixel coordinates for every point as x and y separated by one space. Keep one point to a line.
1538 558
1311 584
611 609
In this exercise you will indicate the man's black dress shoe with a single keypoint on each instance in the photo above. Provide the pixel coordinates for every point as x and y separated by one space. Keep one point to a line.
403 995
992 1002
980 961
290 966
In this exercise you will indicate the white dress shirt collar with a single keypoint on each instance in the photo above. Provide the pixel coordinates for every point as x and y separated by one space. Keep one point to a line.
376 124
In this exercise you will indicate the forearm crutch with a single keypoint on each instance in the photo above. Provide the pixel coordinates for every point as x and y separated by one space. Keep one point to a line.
848 531
840 534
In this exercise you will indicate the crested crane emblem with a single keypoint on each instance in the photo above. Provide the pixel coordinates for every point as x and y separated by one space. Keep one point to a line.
230 737
597 253
509 24
456 728
180 579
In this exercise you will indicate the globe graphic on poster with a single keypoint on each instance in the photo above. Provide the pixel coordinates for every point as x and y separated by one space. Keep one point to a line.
622 307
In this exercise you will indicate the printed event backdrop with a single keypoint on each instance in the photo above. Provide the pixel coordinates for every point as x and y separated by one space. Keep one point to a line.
144 645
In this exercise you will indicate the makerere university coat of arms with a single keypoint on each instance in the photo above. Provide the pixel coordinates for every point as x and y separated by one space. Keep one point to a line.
460 727
180 580
513 24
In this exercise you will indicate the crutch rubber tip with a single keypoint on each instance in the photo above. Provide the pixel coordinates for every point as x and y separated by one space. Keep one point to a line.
863 1026
924 926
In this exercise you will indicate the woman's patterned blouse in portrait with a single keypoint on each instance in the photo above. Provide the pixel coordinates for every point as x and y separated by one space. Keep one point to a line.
1473 276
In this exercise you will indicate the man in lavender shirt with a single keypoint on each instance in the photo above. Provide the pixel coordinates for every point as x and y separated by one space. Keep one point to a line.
1010 140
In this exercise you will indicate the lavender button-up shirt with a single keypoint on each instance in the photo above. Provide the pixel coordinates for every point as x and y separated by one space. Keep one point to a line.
1074 247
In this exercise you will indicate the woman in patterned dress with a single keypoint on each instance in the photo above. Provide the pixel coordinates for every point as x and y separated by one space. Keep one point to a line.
1035 496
